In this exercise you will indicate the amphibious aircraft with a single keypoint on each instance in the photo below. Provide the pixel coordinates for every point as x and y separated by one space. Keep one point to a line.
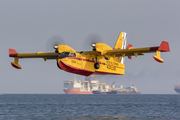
102 60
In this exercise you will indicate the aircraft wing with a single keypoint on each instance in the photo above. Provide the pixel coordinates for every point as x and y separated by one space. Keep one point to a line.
96 53
164 47
45 56
13 53
130 51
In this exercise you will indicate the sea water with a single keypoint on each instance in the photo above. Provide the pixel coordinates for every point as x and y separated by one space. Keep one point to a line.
89 107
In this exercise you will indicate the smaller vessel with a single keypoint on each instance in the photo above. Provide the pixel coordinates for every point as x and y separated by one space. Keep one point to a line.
104 88
128 90
177 88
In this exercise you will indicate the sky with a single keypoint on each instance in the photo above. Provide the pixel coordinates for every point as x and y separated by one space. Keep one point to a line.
26 26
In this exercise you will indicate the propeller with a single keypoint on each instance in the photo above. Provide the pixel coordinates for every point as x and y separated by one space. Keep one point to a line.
90 39
53 41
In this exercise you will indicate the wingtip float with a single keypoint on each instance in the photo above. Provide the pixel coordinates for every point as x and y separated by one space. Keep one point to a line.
164 47
102 60
13 53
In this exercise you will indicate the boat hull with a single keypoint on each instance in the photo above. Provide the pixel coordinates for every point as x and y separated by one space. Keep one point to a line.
177 90
123 92
99 92
116 92
72 91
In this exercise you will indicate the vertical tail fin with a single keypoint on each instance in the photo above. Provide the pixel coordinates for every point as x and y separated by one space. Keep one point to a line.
121 44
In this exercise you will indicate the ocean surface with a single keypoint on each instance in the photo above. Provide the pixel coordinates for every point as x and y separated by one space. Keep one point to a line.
89 107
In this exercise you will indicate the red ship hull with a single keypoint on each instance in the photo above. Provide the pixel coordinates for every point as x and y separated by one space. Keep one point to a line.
72 91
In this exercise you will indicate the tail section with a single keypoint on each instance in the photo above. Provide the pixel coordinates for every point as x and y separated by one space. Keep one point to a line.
121 41
121 44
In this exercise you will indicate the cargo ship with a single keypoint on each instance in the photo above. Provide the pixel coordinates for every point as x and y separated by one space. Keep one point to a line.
128 90
177 88
102 88
113 90
93 86
77 87
86 86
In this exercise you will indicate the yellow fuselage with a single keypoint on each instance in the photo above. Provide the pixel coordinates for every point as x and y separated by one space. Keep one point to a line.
84 65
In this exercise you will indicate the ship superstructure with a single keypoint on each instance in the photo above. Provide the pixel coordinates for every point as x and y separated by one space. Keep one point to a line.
92 86
103 88
177 88
128 90
77 87
84 87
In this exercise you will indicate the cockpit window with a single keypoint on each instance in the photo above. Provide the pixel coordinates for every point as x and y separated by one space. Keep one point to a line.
67 54
72 54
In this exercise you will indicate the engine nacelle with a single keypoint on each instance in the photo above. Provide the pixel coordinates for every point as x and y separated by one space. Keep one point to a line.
62 48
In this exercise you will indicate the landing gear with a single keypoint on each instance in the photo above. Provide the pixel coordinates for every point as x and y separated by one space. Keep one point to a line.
96 65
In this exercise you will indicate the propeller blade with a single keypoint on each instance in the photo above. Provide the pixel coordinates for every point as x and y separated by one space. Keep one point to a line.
53 41
90 39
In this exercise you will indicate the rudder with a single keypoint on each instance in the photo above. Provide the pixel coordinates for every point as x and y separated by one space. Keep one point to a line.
120 44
